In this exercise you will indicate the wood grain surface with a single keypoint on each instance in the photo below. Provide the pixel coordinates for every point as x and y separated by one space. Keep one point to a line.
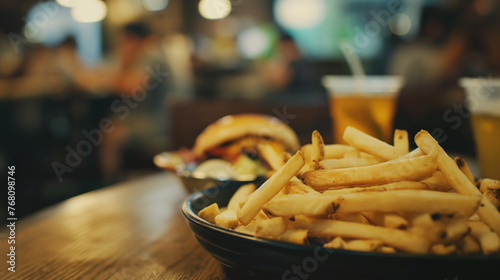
133 230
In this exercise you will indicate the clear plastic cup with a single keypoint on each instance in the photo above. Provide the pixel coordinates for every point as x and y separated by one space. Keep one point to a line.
367 103
483 101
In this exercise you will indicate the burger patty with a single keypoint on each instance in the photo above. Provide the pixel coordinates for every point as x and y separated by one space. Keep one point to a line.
247 145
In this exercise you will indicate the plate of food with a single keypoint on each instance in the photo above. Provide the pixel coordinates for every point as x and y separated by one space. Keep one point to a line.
366 210
225 152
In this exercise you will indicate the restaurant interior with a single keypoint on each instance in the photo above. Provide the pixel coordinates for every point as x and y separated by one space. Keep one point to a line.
91 90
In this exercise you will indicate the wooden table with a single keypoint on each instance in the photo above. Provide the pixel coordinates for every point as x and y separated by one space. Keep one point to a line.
132 230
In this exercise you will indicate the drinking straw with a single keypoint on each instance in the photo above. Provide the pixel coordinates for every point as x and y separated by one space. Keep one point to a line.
355 65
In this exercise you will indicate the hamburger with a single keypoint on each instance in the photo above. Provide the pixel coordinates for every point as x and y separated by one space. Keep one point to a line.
227 148
234 138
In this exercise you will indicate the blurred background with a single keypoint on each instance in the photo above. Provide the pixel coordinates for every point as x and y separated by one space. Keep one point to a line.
90 90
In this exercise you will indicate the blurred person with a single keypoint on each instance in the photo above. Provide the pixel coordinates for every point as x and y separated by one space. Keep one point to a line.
474 47
288 71
140 82
418 60
453 42
178 49
140 124
419 63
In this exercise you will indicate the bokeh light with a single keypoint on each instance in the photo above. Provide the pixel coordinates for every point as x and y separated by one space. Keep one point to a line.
89 10
253 42
400 24
67 3
154 5
300 14
214 9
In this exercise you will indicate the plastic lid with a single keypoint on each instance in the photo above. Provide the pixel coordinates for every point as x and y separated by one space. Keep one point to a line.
346 85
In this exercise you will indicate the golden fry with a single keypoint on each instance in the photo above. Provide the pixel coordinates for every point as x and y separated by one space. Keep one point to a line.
415 153
389 220
370 144
387 249
437 182
317 151
350 217
271 228
398 239
269 154
441 249
401 141
276 162
427 225
239 196
491 190
456 229
382 173
227 219
362 245
295 204
468 245
402 185
347 162
296 186
331 150
389 201
408 201
208 213
487 239
248 229
352 154
464 167
297 236
457 179
336 243
270 188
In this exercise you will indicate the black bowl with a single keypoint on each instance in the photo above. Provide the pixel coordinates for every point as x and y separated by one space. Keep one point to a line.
270 259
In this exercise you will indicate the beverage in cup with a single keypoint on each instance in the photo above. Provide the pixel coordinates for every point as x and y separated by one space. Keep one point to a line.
483 101
366 103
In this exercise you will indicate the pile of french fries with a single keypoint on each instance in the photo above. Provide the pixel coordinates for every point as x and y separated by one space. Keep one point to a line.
369 196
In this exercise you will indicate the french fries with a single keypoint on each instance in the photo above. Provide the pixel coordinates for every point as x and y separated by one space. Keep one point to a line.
210 212
226 219
270 188
487 239
371 145
491 190
317 151
457 179
276 162
389 220
403 185
347 162
239 196
401 141
464 167
405 241
389 201
331 150
271 228
387 172
437 182
369 196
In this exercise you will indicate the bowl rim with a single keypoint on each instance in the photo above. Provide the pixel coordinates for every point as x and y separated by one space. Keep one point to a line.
182 171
